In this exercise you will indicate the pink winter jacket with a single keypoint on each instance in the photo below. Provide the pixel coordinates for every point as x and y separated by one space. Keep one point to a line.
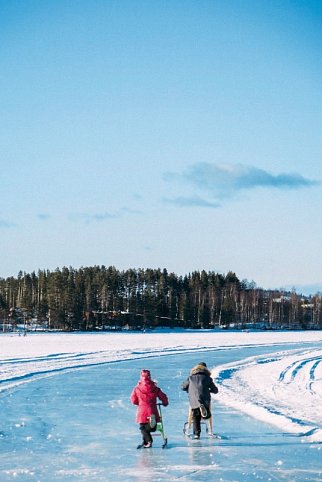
145 395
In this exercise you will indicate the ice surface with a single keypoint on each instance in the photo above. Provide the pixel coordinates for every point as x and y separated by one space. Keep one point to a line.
66 414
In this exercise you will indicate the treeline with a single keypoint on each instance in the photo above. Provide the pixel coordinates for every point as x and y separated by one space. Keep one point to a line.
99 297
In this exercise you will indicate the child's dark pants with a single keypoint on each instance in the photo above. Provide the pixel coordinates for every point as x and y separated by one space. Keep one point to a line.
196 419
146 432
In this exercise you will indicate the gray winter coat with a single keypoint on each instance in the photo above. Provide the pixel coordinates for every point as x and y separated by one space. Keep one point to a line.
199 386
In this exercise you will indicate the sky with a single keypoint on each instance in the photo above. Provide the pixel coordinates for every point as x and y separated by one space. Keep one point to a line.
183 135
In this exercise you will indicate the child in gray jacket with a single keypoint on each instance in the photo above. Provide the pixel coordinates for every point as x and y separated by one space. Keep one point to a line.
199 386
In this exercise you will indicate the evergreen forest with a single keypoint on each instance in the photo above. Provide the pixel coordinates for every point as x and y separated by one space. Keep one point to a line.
105 298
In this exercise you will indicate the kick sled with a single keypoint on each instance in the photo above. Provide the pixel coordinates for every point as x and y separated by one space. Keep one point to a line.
207 423
159 431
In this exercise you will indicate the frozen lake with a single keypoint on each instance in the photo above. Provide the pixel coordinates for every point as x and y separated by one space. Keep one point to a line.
80 425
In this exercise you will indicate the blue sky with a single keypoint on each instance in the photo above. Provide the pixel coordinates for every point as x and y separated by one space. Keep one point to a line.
182 134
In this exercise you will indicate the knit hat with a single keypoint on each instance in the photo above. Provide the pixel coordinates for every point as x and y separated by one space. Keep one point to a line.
145 375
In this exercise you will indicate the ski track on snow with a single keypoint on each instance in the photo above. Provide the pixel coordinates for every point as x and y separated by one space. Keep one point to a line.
283 388
14 371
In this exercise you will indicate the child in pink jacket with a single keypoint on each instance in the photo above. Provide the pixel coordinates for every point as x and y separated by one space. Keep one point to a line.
145 395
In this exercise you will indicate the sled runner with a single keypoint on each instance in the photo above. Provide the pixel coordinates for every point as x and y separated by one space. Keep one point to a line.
159 430
208 422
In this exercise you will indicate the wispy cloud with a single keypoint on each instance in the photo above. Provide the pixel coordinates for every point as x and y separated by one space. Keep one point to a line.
6 224
193 201
88 218
43 216
227 180
126 210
